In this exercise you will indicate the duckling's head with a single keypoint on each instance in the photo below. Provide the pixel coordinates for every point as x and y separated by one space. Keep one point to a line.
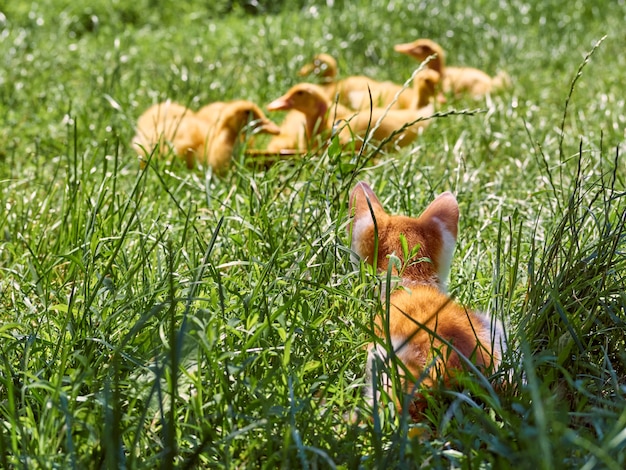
323 66
420 49
237 114
304 97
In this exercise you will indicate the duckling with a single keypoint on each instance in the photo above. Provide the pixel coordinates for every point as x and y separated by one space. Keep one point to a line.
292 135
308 118
211 140
424 89
354 92
324 67
320 114
454 80
164 124
360 92
160 112
231 120
383 96
211 111
382 123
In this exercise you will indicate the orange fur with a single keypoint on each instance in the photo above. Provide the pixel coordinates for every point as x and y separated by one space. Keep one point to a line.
455 80
421 318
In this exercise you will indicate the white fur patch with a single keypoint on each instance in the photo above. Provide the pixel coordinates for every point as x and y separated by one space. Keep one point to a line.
378 358
359 226
445 257
494 337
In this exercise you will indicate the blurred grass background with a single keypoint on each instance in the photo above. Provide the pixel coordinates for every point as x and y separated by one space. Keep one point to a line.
168 318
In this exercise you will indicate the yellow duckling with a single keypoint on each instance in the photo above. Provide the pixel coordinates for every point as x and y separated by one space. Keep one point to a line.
209 140
210 112
354 92
310 112
425 86
381 123
324 67
456 80
164 124
318 114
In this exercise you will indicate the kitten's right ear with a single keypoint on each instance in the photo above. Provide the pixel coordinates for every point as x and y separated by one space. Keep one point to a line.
442 216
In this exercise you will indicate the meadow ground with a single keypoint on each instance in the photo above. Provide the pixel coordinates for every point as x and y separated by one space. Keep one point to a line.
168 317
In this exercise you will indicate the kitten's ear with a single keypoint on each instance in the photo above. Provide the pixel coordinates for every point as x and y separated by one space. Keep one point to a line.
444 210
362 199
363 202
442 215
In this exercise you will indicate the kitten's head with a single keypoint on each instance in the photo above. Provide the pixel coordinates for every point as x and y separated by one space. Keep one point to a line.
434 231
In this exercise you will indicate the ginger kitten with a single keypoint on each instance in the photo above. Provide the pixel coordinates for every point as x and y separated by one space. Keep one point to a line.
421 321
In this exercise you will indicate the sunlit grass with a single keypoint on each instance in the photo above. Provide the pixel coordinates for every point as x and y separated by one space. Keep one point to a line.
165 317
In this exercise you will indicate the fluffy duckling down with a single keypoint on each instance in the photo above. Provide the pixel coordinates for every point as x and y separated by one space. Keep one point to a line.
292 135
425 84
354 91
324 68
211 112
167 125
307 121
318 115
230 120
401 126
456 80
208 139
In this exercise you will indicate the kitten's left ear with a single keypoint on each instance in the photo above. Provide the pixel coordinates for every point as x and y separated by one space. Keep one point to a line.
364 204
360 193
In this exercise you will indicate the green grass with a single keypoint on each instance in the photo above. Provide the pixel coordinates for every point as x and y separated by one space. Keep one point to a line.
167 318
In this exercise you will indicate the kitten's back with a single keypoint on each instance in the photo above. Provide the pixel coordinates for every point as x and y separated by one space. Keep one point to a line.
433 336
